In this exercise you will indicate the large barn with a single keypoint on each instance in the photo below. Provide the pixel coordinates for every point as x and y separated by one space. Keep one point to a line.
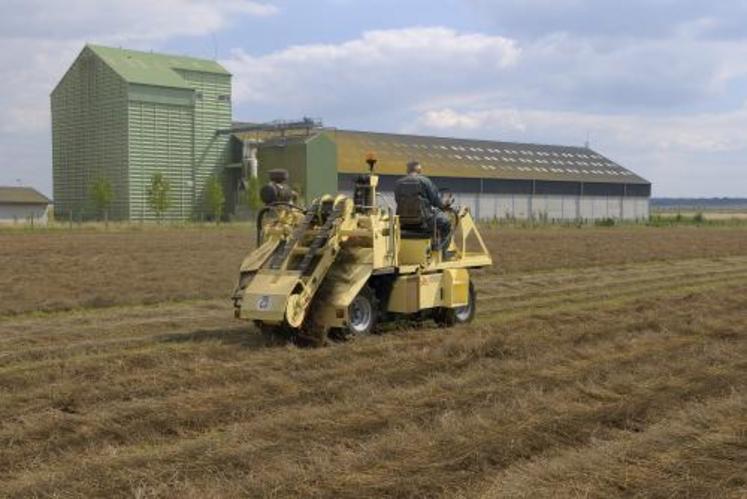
23 205
495 179
124 115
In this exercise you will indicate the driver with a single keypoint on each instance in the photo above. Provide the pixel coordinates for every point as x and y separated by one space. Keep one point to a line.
430 199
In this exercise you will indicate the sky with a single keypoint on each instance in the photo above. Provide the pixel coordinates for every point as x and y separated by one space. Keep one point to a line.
660 86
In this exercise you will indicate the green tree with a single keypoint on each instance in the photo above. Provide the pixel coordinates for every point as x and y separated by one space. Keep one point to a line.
102 195
158 195
214 198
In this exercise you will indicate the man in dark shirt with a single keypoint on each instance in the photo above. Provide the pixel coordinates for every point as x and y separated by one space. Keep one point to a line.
433 206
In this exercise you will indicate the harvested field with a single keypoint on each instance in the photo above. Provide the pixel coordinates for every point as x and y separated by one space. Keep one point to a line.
622 374
60 270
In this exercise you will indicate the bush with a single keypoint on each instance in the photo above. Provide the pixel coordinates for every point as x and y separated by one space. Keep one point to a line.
605 222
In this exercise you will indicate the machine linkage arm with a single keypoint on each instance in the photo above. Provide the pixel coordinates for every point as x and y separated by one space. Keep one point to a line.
319 259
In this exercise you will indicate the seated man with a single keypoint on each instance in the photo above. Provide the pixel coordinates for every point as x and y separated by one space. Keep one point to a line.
417 189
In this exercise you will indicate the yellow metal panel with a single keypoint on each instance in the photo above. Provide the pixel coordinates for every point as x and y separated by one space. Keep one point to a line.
430 291
456 287
256 258
414 251
404 296
266 296
341 285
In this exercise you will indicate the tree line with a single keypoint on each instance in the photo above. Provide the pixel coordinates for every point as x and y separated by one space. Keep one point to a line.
158 196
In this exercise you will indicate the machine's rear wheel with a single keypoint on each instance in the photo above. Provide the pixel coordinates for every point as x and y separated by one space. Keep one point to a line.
364 316
448 317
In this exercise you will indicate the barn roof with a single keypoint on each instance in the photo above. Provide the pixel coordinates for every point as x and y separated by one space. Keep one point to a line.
22 195
450 157
148 68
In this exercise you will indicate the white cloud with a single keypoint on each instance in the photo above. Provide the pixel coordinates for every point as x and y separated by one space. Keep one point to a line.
123 19
40 39
388 67
641 100
654 90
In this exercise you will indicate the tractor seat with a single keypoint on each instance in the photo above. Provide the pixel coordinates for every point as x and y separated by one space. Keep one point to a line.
415 232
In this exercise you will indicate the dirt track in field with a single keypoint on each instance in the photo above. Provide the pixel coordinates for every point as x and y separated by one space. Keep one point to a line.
622 379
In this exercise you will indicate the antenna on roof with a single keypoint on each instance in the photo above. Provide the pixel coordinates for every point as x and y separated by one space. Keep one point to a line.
588 142
215 47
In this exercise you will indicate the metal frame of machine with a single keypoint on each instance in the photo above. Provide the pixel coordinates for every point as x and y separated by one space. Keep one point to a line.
339 267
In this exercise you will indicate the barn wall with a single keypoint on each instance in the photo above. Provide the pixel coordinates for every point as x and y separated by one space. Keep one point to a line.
22 213
548 207
89 137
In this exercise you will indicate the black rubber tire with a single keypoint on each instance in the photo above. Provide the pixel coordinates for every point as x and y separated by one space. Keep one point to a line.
371 303
448 317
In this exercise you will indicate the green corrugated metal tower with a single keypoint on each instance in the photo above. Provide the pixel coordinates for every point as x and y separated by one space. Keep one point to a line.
124 115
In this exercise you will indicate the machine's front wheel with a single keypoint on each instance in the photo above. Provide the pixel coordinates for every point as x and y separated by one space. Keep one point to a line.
363 313
448 317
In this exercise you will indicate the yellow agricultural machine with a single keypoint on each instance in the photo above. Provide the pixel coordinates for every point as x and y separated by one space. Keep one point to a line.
343 265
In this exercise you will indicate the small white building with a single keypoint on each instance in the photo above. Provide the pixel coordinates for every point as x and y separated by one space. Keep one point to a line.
23 205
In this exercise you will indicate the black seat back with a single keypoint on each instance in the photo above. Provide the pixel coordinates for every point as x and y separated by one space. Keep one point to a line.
412 207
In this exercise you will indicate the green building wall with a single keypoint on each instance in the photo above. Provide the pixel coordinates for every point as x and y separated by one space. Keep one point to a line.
212 112
104 126
174 132
89 137
311 163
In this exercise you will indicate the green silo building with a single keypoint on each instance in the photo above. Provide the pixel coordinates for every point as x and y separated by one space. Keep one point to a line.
124 115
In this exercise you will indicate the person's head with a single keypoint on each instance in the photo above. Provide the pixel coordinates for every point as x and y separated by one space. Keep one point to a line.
414 167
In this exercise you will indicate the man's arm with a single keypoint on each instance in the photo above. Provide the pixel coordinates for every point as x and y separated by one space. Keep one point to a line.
433 195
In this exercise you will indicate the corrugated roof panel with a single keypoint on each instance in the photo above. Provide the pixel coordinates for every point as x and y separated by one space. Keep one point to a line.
22 195
148 68
448 157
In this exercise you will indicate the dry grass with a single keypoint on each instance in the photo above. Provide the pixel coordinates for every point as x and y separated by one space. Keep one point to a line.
710 215
62 270
623 373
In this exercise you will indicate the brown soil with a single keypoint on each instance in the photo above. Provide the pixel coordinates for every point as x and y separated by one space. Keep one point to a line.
624 378
61 270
